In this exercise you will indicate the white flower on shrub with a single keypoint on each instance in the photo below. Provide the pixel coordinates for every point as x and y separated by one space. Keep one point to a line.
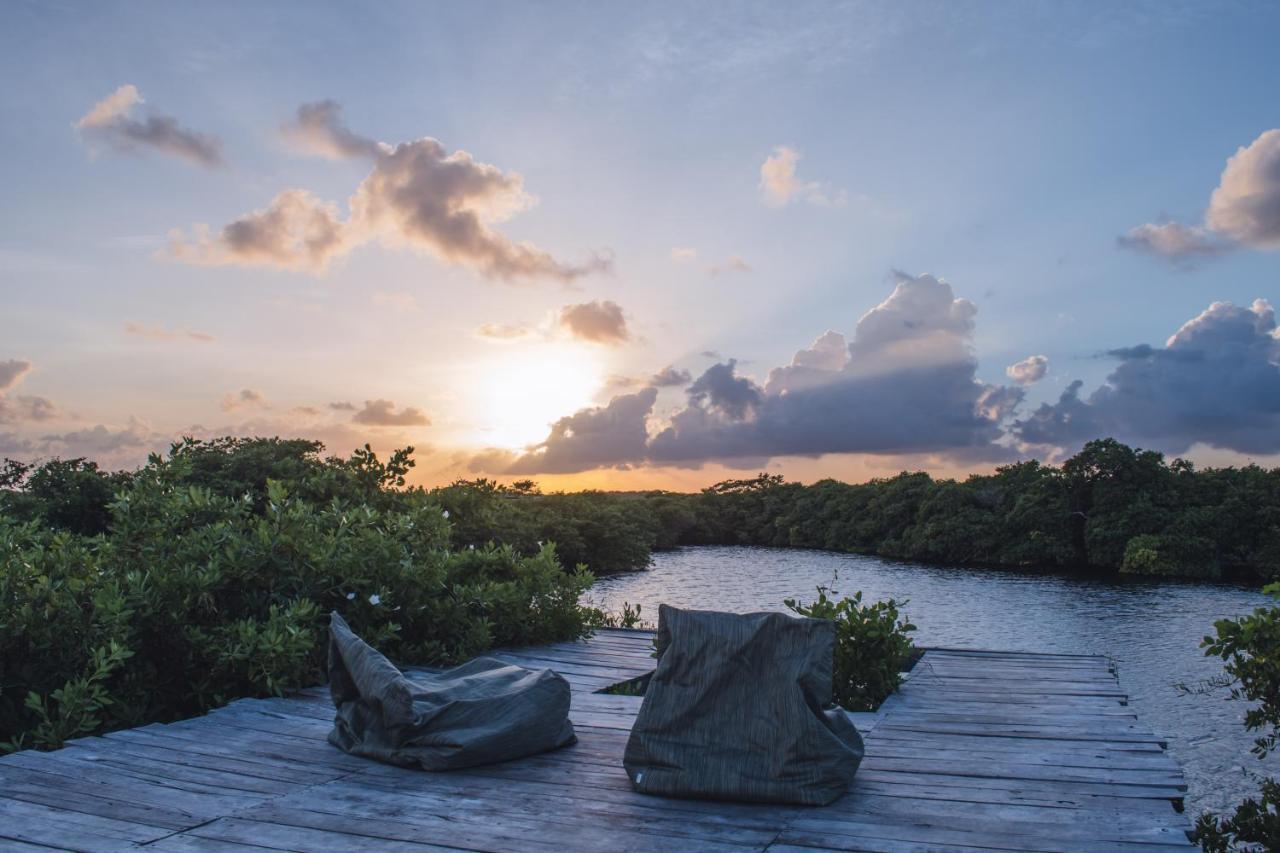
445 513
351 596
375 599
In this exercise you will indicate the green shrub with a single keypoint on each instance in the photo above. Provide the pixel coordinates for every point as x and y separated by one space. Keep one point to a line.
872 646
1250 646
1171 555
196 597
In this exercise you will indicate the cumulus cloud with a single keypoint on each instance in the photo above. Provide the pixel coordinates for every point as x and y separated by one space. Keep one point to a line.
26 407
418 195
997 402
246 398
1028 371
12 372
600 322
684 254
383 413
159 333
295 231
102 441
905 383
779 185
670 377
111 121
444 203
318 129
110 447
342 406
720 390
17 408
1215 381
1244 210
607 436
1246 205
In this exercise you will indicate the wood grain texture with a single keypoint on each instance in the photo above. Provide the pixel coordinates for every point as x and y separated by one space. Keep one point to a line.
979 750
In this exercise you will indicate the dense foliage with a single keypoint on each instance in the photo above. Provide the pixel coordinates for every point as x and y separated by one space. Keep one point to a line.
134 596
872 647
1108 508
203 577
1250 646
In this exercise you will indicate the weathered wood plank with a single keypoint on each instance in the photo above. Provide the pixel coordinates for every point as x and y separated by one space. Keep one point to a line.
978 750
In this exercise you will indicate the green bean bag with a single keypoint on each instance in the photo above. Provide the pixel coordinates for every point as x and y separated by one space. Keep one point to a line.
740 708
482 712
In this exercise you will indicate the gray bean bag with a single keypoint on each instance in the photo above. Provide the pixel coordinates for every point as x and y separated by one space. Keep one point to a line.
739 708
479 713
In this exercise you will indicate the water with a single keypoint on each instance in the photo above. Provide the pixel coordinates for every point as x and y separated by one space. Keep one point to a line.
1152 629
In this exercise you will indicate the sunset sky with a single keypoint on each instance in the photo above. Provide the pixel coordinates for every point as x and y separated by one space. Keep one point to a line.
642 245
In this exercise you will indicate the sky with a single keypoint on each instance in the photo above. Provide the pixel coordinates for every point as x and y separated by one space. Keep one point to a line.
642 245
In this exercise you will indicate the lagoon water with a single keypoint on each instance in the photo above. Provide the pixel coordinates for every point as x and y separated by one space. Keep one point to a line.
1151 628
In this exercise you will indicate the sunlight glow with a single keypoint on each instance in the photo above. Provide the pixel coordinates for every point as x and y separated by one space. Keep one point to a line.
522 394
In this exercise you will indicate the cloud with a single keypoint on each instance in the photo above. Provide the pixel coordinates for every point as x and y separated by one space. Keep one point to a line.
504 332
1173 241
618 383
1243 212
444 203
905 383
247 398
608 436
111 121
684 254
733 264
109 446
158 333
720 390
296 231
1028 371
418 196
670 377
102 441
26 407
383 413
318 129
998 402
779 185
12 372
1246 205
829 352
1215 381
16 408
342 407
597 322
667 377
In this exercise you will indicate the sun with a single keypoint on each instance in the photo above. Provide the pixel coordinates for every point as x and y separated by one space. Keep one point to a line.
526 391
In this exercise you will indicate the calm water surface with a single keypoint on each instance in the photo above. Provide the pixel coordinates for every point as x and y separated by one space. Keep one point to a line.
1153 630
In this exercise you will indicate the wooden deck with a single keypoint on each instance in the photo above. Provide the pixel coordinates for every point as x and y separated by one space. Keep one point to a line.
979 750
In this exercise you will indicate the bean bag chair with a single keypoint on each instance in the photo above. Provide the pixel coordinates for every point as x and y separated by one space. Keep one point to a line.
739 708
482 712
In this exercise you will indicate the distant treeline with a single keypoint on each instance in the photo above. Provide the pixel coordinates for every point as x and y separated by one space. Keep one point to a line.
1108 508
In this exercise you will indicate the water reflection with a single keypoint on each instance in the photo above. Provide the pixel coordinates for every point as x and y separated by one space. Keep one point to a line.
1152 629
